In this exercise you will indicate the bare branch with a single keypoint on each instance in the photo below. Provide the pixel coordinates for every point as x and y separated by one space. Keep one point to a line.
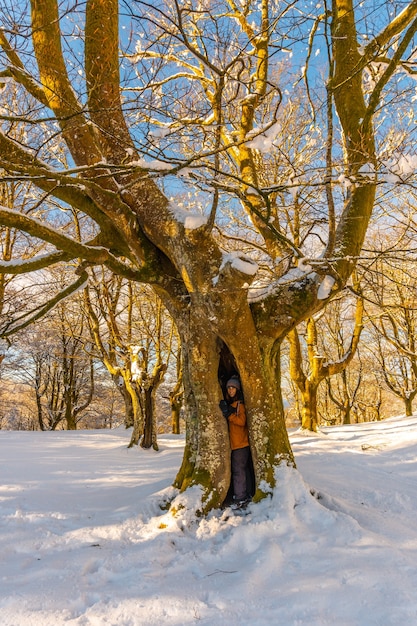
37 313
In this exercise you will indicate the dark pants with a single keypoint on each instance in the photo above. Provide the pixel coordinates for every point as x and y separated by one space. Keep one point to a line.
240 460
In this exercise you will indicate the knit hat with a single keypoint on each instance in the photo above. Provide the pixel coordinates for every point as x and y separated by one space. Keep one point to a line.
233 382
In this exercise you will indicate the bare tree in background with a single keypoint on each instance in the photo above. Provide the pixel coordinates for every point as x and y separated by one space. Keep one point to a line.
320 365
131 331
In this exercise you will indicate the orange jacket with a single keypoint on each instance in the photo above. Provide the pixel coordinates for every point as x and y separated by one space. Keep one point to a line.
238 429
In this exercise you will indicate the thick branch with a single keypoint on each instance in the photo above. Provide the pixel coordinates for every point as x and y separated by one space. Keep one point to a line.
296 367
103 80
392 66
60 96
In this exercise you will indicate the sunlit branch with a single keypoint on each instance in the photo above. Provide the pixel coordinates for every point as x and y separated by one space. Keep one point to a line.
313 32
195 71
193 49
395 27
392 66
17 71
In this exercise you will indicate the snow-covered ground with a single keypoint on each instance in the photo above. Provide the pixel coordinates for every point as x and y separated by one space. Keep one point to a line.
84 542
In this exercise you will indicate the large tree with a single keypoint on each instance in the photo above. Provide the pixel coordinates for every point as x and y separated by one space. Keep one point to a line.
204 92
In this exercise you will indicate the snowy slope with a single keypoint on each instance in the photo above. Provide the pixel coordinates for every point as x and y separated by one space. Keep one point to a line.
83 540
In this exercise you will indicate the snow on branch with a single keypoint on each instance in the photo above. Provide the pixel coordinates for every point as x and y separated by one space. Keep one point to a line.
24 266
154 165
191 221
401 167
240 262
326 287
264 139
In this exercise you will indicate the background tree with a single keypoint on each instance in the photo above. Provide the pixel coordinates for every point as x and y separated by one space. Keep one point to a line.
18 410
61 375
131 332
320 365
344 390
393 315
176 394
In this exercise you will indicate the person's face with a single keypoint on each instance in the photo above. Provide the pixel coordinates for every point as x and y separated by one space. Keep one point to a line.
231 391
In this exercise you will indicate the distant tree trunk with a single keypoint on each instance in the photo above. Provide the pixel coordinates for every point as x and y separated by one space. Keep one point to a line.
408 402
138 411
39 410
69 417
72 393
150 387
309 419
307 385
121 387
149 439
347 413
176 404
176 396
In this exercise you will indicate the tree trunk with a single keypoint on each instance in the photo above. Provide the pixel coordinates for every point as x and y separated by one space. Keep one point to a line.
127 399
69 418
175 416
149 439
207 452
347 413
408 402
138 413
39 411
176 399
150 386
309 420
